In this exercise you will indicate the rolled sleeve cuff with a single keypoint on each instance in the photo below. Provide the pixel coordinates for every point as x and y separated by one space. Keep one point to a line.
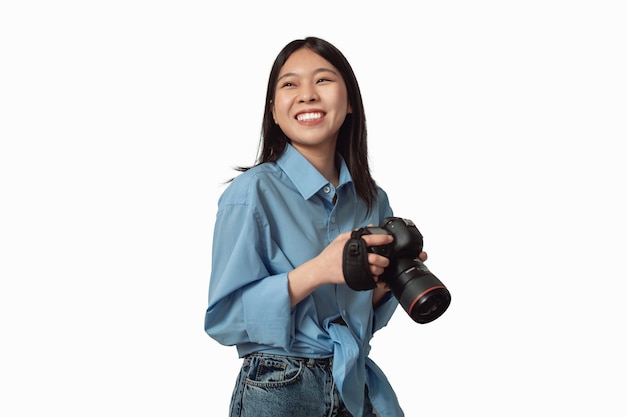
267 311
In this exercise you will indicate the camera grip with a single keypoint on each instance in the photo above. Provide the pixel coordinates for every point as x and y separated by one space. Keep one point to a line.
356 269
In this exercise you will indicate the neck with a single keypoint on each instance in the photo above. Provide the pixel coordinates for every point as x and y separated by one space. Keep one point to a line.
323 160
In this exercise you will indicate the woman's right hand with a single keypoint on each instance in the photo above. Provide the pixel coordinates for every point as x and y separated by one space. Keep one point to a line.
327 267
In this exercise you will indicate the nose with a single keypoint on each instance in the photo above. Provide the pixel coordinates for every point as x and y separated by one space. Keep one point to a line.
307 94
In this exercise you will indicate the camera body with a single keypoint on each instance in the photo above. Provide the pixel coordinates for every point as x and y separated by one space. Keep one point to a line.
422 295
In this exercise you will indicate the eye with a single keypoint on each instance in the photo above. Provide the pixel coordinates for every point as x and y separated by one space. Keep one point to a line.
322 80
287 84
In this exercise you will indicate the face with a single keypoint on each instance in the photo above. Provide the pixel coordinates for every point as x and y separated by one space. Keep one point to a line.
310 101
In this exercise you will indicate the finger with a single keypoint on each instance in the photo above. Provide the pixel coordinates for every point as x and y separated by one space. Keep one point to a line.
377 240
377 260
423 256
383 285
376 271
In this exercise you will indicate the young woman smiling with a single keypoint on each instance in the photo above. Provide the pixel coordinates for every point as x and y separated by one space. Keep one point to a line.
277 290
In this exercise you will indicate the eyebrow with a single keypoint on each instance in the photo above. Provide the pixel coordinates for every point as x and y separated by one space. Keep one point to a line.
317 71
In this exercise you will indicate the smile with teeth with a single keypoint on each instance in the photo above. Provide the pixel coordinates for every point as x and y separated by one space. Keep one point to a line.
306 117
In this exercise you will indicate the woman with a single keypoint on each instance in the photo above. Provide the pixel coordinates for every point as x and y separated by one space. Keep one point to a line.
277 290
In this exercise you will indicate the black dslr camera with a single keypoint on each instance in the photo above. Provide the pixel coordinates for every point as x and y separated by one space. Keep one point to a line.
419 292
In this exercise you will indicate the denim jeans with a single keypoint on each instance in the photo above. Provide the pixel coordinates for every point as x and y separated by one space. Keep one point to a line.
286 386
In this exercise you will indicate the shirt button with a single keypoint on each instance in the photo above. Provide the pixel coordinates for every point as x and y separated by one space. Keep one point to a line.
327 189
332 220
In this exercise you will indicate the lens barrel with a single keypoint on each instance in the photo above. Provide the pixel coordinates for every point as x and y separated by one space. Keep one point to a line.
422 295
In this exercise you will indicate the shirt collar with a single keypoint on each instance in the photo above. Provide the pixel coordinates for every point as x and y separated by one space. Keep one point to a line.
305 176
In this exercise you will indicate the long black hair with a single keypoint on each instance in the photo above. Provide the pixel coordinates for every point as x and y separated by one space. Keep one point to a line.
352 138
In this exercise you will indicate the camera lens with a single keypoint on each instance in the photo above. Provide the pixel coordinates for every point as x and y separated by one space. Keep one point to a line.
430 306
419 292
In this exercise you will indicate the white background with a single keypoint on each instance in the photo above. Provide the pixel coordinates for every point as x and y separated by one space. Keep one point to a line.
498 127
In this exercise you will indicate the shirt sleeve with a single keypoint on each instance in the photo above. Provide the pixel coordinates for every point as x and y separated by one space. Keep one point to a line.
247 304
384 311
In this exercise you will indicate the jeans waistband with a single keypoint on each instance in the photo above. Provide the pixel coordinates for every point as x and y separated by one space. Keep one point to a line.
310 362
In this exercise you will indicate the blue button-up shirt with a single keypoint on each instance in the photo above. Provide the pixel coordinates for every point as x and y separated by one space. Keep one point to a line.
271 219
